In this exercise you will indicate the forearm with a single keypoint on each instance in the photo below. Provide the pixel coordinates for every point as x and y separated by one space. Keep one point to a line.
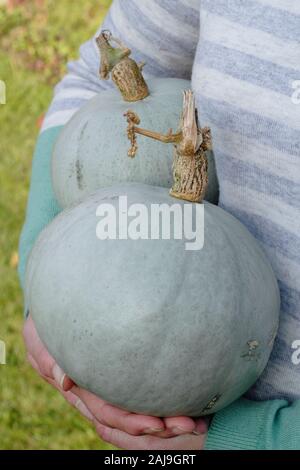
42 206
250 425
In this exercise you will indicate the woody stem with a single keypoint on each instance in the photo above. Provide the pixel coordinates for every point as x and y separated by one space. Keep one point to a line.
124 71
167 139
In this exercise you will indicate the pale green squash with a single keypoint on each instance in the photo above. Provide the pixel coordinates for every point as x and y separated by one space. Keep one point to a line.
91 151
145 324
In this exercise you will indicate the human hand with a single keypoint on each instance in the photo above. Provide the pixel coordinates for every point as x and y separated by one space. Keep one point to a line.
47 368
123 440
132 431
115 424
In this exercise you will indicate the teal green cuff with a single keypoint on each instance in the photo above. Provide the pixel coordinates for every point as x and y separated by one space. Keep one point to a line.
42 206
240 426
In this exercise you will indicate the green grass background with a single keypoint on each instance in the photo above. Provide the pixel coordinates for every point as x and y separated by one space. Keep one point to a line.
36 39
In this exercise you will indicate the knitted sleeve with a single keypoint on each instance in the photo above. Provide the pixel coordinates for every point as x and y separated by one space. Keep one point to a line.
253 425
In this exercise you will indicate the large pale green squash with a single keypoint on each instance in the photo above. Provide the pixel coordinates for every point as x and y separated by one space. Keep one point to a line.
146 324
91 151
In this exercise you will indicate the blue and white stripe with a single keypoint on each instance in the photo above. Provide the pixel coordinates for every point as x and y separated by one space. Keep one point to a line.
243 57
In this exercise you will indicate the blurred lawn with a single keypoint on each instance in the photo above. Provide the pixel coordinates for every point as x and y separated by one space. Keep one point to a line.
36 39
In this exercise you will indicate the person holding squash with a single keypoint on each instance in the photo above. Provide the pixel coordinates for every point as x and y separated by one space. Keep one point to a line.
255 123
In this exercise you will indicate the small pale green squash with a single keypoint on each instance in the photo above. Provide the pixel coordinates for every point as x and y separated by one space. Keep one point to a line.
91 151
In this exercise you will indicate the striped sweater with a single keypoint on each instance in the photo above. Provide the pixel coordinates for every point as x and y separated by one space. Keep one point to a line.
243 57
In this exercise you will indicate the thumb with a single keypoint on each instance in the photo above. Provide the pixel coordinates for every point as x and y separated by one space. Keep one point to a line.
62 380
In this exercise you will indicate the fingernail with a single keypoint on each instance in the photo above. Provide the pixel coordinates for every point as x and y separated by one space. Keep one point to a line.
201 428
153 430
58 375
179 430
83 410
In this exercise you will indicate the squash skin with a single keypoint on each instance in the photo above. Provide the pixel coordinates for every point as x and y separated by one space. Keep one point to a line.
91 151
146 325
